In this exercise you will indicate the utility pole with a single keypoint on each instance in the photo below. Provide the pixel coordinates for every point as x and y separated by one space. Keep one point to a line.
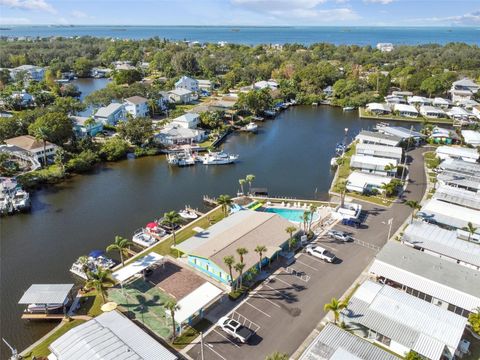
201 345
405 160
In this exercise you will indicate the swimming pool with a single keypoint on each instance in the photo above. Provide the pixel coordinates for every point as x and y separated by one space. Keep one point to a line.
293 215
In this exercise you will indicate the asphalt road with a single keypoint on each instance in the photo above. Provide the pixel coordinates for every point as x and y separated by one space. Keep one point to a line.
288 306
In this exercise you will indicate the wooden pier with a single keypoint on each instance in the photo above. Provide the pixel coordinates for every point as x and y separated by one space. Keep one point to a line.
209 201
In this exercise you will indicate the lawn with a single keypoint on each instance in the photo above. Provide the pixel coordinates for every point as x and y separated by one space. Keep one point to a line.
191 333
431 159
90 304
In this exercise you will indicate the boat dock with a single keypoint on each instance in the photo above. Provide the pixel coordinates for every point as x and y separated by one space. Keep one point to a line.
209 201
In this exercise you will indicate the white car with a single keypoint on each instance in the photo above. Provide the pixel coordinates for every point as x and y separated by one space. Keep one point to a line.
321 253
234 328
340 235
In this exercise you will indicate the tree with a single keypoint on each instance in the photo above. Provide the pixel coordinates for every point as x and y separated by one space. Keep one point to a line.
82 66
9 128
290 230
68 105
305 220
471 230
277 356
225 201
241 252
185 63
114 149
342 189
60 155
137 130
414 205
121 245
44 99
260 249
89 124
229 261
127 76
99 280
335 306
152 106
55 127
389 167
172 219
41 133
172 306
474 320
242 182
412 355
239 268
255 101
249 178
313 209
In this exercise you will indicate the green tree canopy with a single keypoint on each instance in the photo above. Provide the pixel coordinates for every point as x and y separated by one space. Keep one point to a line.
58 127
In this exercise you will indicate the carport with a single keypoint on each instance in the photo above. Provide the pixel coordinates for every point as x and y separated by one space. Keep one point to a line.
137 266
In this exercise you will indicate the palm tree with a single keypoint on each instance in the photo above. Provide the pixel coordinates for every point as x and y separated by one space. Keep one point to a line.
390 167
342 189
335 306
172 219
290 230
471 230
249 179
99 281
239 268
277 356
260 249
388 188
242 182
172 306
305 219
313 209
60 159
414 205
121 245
242 251
229 261
89 123
83 261
153 106
41 133
225 201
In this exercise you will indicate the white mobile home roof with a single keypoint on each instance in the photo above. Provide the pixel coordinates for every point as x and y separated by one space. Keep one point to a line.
465 154
196 300
427 109
109 336
470 182
360 179
441 101
405 108
437 277
367 162
135 267
378 106
332 342
455 195
451 215
389 152
471 137
443 242
400 132
407 320
460 166
377 138
46 294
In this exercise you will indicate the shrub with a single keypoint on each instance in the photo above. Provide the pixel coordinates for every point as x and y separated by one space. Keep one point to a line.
82 162
148 151
114 149
236 294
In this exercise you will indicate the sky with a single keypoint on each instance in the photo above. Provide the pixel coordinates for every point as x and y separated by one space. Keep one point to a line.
242 12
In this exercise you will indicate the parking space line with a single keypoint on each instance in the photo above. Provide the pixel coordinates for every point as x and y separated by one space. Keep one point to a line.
263 312
319 261
281 294
270 301
285 282
311 267
226 338
210 346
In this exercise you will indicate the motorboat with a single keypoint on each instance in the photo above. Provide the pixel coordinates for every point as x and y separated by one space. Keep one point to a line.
44 308
340 148
257 118
251 127
333 162
188 214
181 159
21 200
143 238
219 158
95 260
154 229
348 108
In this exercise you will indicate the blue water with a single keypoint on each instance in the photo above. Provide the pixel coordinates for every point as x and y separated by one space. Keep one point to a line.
294 215
263 35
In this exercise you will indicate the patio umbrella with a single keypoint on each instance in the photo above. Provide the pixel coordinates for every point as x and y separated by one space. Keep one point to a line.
151 225
109 306
96 253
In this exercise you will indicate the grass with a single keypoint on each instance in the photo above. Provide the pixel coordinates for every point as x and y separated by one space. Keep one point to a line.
42 348
431 159
364 114
379 200
90 304
191 333
207 143
474 348
344 168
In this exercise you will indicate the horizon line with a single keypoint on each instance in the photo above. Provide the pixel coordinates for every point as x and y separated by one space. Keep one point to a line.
250 26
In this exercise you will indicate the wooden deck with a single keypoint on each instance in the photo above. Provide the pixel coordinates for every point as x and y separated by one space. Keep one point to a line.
29 316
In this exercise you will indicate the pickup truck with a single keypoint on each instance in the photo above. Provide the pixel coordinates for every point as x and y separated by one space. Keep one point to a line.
235 329
321 253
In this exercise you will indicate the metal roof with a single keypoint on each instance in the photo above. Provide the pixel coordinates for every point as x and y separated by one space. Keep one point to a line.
455 195
460 166
399 131
458 152
378 138
371 162
334 343
106 111
135 267
406 319
46 294
109 336
440 278
450 214
196 300
459 180
390 152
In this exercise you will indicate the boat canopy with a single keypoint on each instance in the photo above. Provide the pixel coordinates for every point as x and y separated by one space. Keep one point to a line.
96 253
46 294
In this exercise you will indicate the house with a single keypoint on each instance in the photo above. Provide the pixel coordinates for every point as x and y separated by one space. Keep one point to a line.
460 95
463 89
471 137
187 121
385 47
23 97
32 72
110 335
442 103
460 153
458 196
328 91
432 112
418 100
100 72
381 151
451 245
438 281
402 322
244 228
35 147
402 93
174 134
187 83
371 137
379 109
441 135
460 167
405 110
395 99
270 84
374 165
459 180
136 106
458 113
111 114
180 96
123 65
81 130
476 111
366 183
205 85
468 104
401 132
334 343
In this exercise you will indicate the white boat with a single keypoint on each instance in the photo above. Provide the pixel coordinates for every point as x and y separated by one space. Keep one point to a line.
219 158
181 159
21 200
349 108
42 308
252 127
333 162
187 214
142 238
92 263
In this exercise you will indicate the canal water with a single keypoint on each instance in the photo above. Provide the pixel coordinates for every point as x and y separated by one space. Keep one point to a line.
290 156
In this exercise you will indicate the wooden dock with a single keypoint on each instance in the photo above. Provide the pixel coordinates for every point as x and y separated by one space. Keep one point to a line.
209 201
37 316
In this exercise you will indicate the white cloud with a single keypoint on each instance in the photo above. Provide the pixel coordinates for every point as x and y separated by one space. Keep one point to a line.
14 20
41 5
266 5
341 1
79 14
472 18
384 2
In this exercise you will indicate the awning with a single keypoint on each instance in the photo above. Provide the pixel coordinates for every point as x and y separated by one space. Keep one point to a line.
46 294
196 300
135 267
96 253
151 225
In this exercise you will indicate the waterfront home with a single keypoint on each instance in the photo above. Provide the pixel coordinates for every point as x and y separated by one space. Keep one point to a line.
401 132
371 137
374 165
471 137
402 93
174 134
137 106
468 104
111 114
180 96
32 72
381 151
123 65
459 153
458 196
463 89
385 47
35 147
438 281
328 91
98 73
366 183
270 84
23 97
418 100
405 110
451 245
242 229
188 121
460 95
442 135
82 129
402 322
395 99
379 109
187 83
205 85
442 103
334 343
432 112
458 113
109 333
